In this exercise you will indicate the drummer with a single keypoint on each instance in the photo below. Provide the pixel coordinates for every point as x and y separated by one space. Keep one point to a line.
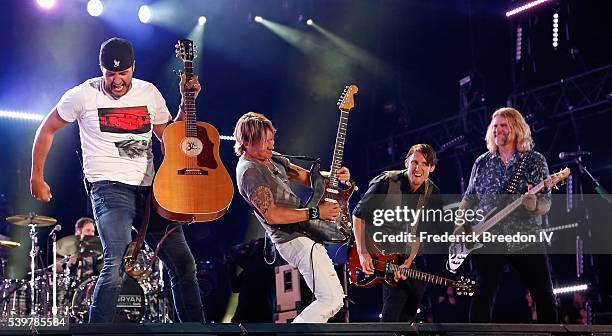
83 227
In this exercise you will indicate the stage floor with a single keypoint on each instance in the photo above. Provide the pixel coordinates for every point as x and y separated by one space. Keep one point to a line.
377 329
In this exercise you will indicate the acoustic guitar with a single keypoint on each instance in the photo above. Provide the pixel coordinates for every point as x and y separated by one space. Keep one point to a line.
192 184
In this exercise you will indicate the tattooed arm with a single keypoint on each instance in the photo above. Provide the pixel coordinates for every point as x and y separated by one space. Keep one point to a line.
263 200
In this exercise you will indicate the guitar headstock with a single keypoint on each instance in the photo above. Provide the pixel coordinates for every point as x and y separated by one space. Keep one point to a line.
464 286
557 177
346 101
186 50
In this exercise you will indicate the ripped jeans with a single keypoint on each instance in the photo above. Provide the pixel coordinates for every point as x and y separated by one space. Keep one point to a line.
329 295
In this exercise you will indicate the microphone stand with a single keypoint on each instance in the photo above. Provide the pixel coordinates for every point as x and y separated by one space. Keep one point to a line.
33 253
54 267
598 187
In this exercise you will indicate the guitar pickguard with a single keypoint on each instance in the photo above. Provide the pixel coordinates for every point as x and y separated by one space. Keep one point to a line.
206 157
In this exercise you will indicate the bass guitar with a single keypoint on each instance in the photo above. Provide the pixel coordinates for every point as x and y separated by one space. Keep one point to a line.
192 184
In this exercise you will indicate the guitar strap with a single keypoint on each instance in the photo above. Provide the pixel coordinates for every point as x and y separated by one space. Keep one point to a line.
421 203
512 184
131 255
394 189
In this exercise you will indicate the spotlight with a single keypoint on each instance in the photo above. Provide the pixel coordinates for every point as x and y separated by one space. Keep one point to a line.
525 7
46 4
144 14
21 115
95 7
555 31
519 43
258 18
202 20
571 289
309 22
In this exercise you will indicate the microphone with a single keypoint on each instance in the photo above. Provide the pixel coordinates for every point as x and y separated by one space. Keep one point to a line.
568 155
55 229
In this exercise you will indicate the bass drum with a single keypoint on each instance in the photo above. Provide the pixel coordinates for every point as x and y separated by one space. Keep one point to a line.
131 304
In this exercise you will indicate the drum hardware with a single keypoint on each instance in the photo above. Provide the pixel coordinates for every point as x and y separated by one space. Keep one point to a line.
31 219
54 239
47 292
9 243
85 246
38 303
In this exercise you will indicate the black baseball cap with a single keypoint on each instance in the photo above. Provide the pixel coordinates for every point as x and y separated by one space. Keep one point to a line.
116 54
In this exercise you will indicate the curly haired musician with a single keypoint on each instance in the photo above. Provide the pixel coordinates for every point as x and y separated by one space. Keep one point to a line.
117 115
386 191
509 145
263 181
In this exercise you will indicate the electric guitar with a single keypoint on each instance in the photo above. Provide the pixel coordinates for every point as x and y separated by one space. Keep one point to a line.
192 183
327 189
385 266
457 252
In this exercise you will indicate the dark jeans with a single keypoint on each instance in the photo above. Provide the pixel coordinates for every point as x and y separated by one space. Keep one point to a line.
533 270
400 303
118 207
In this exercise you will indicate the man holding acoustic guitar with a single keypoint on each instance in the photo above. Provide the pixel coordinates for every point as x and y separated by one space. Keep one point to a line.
117 115
409 188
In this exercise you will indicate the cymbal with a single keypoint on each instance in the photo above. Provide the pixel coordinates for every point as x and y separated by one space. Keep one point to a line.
74 246
9 243
25 220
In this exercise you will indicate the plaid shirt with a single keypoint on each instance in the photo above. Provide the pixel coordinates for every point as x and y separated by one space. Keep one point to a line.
488 180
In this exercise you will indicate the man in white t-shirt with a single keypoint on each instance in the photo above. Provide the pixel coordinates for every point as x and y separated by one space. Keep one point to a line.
117 115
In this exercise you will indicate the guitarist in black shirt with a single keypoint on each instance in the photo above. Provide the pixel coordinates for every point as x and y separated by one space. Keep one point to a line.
412 188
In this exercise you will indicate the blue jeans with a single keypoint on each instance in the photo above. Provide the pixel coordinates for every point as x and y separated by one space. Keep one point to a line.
117 207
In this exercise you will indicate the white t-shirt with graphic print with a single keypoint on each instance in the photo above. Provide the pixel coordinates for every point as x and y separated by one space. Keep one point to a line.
116 133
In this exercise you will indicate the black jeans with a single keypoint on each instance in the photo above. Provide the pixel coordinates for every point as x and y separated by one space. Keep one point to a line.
533 270
400 303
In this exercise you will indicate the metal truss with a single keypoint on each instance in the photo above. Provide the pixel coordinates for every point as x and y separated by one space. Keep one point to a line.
443 135
566 101
545 107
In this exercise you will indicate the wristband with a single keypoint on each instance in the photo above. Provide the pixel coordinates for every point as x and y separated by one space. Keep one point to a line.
313 213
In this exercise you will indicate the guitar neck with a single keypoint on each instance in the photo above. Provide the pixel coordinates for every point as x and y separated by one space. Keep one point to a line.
339 147
414 274
489 223
189 109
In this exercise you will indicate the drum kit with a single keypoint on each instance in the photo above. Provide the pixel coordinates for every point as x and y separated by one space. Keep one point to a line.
65 287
